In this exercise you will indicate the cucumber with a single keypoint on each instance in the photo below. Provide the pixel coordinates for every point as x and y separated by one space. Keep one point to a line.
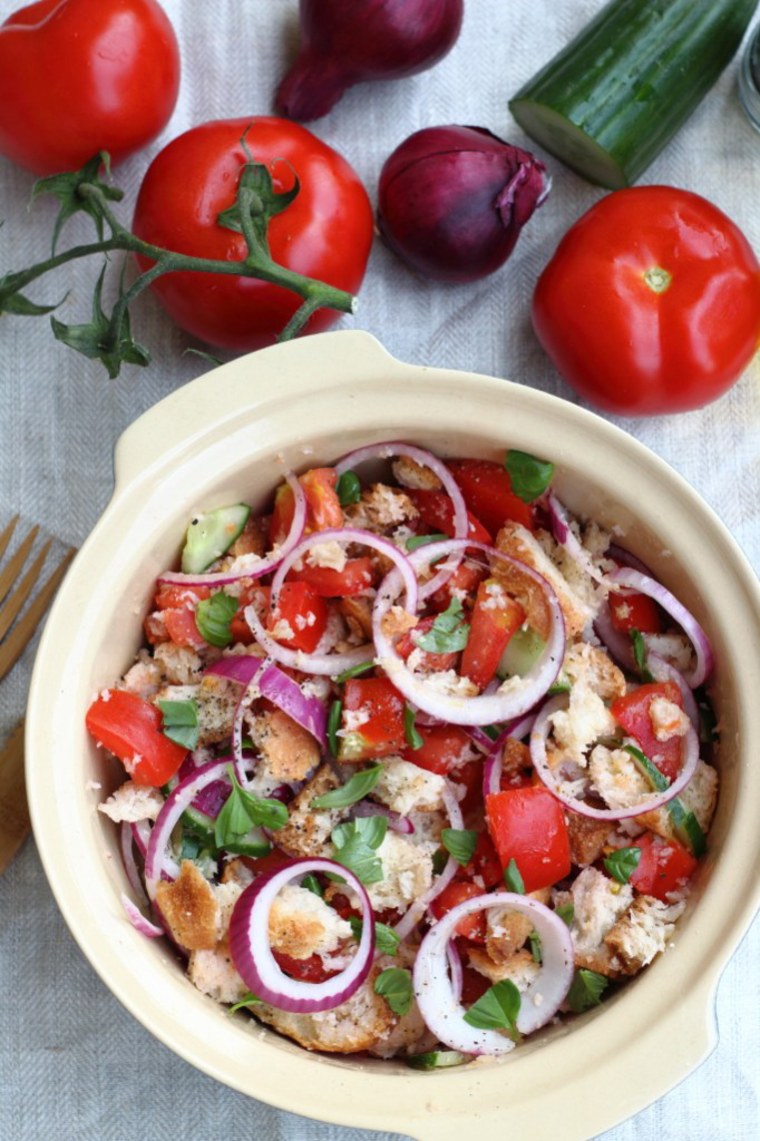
211 535
609 102
521 653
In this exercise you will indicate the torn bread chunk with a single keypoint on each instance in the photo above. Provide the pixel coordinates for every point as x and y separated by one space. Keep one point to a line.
516 540
643 932
190 909
405 787
380 509
289 751
307 832
132 803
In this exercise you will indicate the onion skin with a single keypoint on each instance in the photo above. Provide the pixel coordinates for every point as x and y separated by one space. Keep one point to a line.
453 200
344 42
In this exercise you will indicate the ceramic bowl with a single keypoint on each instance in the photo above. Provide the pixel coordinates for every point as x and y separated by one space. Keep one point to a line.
228 436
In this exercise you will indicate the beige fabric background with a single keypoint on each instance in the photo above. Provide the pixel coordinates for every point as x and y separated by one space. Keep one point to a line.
73 1063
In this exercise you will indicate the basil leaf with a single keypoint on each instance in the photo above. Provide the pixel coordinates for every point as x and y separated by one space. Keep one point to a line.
436 1059
352 791
536 950
355 671
497 1009
513 879
180 722
448 633
386 939
395 986
586 990
213 617
623 863
640 655
355 843
242 811
460 843
566 912
416 541
414 738
247 1000
333 723
348 488
311 883
529 477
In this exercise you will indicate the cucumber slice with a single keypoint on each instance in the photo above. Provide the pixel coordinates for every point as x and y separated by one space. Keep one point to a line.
521 653
609 102
211 535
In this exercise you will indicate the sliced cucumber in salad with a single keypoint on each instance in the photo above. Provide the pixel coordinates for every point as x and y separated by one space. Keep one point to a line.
521 653
211 535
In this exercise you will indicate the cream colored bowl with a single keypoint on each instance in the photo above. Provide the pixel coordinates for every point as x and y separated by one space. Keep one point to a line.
229 436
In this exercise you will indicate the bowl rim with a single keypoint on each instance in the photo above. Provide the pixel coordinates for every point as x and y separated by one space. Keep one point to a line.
196 420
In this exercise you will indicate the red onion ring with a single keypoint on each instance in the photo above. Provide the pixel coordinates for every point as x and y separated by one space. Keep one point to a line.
267 564
411 918
324 665
127 843
426 459
252 954
566 537
138 920
538 739
484 709
440 1006
492 763
645 584
664 671
401 824
245 669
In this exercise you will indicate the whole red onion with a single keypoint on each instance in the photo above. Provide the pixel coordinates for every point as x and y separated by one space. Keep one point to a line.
344 42
452 201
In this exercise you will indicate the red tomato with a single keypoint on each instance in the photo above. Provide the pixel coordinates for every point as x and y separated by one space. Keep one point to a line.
495 618
170 595
437 513
428 660
182 628
379 708
472 927
325 233
81 76
304 612
464 579
448 751
311 970
527 825
635 611
632 713
357 576
651 302
130 728
663 868
487 491
484 863
323 507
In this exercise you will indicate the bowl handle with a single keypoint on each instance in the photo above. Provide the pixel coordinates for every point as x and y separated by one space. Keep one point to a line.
250 382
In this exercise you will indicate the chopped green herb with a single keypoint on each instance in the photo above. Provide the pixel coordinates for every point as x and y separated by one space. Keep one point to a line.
213 617
566 912
348 488
354 790
529 477
249 999
333 724
395 985
311 883
623 863
513 879
414 738
180 722
386 939
355 844
449 632
460 843
242 811
355 671
436 1059
416 541
440 860
536 950
497 1009
490 731
641 655
586 990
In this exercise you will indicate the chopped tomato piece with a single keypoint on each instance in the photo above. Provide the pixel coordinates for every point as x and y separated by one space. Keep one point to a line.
323 506
373 719
633 712
182 628
487 491
462 582
172 596
472 927
300 617
428 660
484 863
131 729
527 825
635 611
663 868
311 970
474 984
437 513
495 617
448 750
357 576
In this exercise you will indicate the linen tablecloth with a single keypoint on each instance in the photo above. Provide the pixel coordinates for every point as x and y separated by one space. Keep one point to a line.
73 1063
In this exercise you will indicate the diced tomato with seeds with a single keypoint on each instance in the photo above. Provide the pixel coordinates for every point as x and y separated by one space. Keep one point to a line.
471 927
495 617
528 825
633 714
664 867
437 514
373 719
358 575
634 611
487 491
299 619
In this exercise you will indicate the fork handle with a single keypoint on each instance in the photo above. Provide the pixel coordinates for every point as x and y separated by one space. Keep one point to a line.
14 812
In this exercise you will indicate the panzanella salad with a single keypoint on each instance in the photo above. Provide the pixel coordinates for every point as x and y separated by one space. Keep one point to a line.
416 764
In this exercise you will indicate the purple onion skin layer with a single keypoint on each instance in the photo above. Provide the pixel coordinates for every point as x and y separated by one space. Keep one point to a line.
344 42
453 200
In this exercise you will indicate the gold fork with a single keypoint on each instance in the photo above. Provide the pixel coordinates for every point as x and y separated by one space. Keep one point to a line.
16 586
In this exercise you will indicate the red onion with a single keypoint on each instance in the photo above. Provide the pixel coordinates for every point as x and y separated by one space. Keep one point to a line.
566 537
344 42
538 739
453 200
127 842
413 915
252 954
397 823
138 920
278 688
435 991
